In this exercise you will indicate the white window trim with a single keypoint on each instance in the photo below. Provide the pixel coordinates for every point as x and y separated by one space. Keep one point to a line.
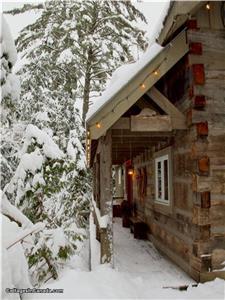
119 176
161 159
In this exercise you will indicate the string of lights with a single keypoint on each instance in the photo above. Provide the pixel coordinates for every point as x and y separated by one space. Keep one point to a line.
141 86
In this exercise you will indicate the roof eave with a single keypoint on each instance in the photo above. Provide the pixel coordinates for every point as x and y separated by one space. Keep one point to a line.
179 12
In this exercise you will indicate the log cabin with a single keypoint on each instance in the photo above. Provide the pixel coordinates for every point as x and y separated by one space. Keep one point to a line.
156 144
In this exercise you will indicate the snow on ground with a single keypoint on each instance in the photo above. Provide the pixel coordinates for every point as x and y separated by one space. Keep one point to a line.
140 258
140 272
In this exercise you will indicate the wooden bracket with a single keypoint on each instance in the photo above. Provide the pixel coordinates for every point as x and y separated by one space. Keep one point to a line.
178 119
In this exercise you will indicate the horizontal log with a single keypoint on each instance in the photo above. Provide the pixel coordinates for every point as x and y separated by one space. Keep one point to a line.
208 276
201 264
217 216
201 233
179 260
201 216
127 133
149 124
201 247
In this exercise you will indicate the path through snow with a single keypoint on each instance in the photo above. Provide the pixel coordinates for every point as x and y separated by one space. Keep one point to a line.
140 258
140 272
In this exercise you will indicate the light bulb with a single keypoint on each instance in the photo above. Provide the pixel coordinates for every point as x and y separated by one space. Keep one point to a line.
208 6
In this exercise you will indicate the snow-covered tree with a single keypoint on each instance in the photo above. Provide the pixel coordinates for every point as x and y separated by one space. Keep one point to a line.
68 54
10 88
77 45
48 187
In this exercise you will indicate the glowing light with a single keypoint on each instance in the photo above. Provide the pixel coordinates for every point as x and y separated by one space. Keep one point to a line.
156 73
98 125
142 86
130 171
208 6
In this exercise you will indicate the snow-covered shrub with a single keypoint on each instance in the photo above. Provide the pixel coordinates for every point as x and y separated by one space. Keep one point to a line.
10 91
49 186
14 263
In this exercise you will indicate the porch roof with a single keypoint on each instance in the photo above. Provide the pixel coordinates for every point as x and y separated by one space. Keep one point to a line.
134 84
179 12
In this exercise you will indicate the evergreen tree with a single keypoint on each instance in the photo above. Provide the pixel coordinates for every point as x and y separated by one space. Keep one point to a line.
68 54
49 187
10 88
77 45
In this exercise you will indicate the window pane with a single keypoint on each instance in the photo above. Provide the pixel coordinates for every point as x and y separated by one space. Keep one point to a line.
166 186
159 177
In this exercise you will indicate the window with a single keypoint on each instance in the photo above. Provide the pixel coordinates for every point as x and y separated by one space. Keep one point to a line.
162 179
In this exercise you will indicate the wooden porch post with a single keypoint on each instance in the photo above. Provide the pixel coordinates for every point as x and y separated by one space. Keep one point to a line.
106 196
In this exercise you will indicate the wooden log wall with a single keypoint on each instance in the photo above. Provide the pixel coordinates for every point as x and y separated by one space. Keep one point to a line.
207 117
193 233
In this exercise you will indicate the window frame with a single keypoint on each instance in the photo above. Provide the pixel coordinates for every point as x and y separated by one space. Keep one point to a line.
162 199
160 204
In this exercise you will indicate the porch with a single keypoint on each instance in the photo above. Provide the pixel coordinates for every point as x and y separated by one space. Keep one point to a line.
151 130
141 258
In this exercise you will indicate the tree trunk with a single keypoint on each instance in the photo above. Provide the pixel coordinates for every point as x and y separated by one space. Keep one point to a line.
87 84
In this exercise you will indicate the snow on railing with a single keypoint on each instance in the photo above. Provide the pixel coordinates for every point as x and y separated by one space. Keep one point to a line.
34 229
102 220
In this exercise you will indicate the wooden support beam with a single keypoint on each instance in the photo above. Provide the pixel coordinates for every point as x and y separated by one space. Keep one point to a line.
178 119
122 123
106 196
151 124
129 134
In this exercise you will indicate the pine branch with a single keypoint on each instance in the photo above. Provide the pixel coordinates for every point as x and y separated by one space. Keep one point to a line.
36 228
25 8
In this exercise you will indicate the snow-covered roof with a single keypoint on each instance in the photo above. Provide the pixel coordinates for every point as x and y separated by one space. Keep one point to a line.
130 82
177 14
127 72
121 77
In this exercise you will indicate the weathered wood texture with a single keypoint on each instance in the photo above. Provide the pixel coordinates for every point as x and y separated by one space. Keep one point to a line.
193 234
106 196
208 182
154 123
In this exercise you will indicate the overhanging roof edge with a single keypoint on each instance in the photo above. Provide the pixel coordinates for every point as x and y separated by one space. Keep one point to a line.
123 87
176 49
